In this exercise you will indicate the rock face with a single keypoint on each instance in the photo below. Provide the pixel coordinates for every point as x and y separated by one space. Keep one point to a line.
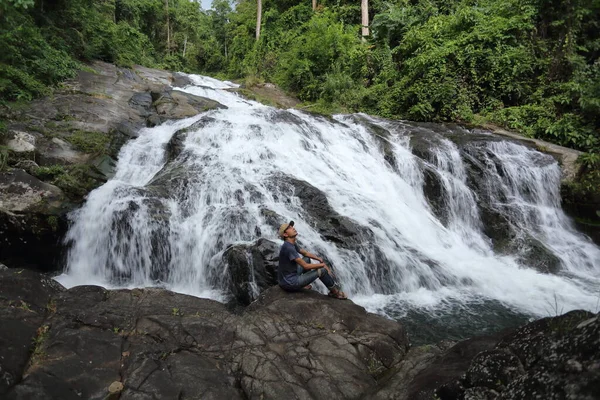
25 298
31 216
553 358
251 269
88 342
71 141
159 344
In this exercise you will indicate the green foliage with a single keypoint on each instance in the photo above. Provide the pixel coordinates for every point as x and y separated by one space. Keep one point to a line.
320 62
89 142
76 181
48 173
528 65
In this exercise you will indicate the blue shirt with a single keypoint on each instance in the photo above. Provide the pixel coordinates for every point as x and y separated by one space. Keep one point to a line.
287 273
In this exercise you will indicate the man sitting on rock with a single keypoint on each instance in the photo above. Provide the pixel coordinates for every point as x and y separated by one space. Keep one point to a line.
294 273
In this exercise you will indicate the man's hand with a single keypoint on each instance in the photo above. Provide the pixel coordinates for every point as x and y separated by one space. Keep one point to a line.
319 259
328 270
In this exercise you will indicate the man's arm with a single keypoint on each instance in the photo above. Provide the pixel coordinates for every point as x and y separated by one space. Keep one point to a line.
300 261
306 265
310 255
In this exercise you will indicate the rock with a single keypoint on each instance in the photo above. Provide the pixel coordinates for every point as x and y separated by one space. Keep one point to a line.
25 299
167 345
82 127
22 192
22 142
89 342
433 370
493 369
252 269
27 165
115 387
57 151
553 358
142 101
332 226
31 217
180 80
172 104
3 267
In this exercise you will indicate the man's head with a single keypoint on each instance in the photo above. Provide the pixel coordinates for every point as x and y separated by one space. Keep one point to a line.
287 231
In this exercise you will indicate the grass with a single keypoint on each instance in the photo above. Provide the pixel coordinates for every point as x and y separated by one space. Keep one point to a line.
89 142
38 343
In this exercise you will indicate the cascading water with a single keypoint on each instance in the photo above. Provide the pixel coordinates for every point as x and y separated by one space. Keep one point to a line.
185 190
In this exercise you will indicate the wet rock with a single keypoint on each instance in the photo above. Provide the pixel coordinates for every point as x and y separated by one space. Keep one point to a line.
332 226
142 101
180 80
177 105
252 269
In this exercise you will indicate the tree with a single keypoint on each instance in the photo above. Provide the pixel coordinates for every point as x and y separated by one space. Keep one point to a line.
364 8
168 31
258 17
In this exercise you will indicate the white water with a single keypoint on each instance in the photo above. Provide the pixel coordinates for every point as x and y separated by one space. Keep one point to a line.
120 238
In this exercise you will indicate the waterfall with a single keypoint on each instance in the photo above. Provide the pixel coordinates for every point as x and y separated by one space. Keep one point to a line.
185 190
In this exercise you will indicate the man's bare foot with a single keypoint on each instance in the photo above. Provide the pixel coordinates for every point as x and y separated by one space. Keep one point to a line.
307 287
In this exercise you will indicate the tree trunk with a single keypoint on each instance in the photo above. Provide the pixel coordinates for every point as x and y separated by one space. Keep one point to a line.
314 4
184 45
364 8
258 17
168 31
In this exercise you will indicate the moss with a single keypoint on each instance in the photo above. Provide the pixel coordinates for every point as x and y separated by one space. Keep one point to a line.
63 117
48 173
253 96
76 181
38 342
87 68
89 142
51 306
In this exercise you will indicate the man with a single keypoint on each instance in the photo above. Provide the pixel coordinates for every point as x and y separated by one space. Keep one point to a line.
294 273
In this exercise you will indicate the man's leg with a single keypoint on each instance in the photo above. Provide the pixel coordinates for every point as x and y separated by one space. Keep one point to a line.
326 278
306 277
334 288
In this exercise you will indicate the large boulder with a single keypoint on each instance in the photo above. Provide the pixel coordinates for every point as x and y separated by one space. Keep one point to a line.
153 343
251 269
553 358
173 104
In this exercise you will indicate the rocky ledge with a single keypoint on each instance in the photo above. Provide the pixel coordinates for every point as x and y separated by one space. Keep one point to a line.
55 150
92 343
